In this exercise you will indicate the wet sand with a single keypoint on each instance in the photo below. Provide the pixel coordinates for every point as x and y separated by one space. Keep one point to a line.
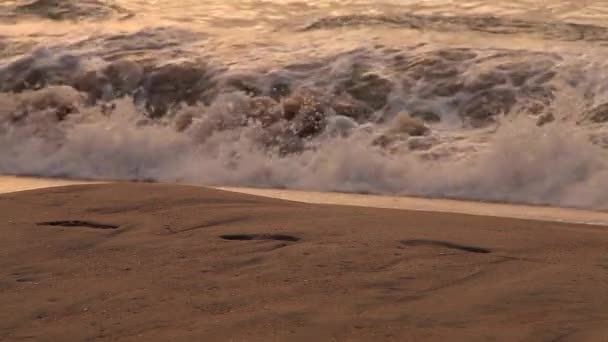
539 213
160 262
15 183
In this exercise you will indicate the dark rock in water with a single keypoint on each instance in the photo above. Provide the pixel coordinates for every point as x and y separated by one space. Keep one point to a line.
72 9
426 115
483 107
171 85
598 114
369 88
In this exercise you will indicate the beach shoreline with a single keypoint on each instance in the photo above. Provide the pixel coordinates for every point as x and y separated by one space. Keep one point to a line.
132 261
541 213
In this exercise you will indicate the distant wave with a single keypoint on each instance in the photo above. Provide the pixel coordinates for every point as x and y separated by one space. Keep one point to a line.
72 10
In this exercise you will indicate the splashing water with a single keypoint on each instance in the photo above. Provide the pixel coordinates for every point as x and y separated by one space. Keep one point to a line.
436 99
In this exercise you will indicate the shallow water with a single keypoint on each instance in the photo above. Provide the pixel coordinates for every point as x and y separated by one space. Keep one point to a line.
487 100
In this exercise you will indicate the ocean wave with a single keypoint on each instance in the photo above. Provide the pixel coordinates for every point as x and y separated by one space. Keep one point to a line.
555 164
64 10
458 86
171 103
486 124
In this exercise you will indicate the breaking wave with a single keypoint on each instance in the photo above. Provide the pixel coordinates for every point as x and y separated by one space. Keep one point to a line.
485 123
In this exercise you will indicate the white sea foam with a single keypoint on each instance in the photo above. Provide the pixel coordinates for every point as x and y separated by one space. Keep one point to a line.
303 110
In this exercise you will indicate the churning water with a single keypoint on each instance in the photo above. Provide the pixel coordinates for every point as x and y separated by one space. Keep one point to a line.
489 100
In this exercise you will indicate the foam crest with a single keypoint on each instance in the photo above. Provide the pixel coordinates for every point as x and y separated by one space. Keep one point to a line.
494 124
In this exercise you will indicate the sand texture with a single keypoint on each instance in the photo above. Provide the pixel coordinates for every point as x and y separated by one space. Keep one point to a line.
151 262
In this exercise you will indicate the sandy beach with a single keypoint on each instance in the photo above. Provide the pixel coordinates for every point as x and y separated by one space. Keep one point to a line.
160 262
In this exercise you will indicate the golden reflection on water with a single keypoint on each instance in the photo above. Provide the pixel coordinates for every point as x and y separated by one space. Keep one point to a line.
585 11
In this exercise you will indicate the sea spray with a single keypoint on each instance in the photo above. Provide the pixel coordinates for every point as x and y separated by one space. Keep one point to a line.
475 107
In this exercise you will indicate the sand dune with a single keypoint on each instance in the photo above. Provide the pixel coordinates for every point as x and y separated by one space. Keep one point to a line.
158 262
